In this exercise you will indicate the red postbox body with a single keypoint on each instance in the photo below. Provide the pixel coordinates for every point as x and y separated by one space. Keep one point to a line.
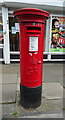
31 23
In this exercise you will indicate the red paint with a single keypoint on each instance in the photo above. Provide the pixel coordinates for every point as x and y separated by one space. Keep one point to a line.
31 24
61 40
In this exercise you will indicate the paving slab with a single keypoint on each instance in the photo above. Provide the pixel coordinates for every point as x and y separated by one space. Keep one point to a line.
8 87
8 78
55 105
11 68
8 93
53 90
0 111
1 93
45 116
49 90
0 78
52 94
53 72
9 110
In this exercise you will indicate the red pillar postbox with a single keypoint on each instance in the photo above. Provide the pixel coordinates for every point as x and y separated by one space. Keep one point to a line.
31 23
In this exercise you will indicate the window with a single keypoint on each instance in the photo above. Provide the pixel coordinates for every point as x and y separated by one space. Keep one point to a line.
58 34
45 37
14 34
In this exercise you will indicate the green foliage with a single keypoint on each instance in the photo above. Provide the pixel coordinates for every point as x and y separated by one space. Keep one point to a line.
15 114
63 108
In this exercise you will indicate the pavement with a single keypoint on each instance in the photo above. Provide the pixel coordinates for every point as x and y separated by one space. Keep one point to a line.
53 92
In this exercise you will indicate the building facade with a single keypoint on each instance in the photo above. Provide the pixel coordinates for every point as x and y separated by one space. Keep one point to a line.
54 47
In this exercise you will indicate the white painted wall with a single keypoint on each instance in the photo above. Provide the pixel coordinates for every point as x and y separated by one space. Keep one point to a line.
6 48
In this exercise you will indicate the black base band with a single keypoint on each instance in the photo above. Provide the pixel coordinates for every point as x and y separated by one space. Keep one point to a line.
30 97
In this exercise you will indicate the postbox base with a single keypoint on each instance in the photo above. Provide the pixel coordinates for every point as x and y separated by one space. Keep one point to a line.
30 97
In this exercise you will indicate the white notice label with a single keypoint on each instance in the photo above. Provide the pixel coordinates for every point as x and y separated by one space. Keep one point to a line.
33 43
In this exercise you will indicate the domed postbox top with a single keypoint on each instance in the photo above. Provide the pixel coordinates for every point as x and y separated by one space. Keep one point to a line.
31 11
31 15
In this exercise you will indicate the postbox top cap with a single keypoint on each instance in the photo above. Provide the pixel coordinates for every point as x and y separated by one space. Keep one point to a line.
31 11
